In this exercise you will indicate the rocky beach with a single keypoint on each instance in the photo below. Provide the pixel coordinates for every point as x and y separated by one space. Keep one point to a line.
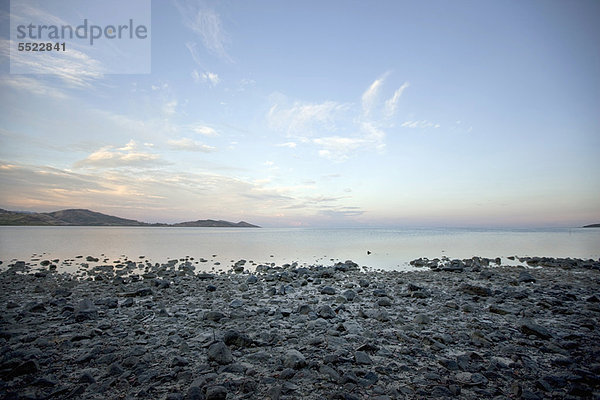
469 329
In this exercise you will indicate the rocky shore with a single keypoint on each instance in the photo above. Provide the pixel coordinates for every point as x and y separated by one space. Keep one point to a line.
469 329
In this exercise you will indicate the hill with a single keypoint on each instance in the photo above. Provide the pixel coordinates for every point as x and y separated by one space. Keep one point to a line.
216 224
81 217
592 226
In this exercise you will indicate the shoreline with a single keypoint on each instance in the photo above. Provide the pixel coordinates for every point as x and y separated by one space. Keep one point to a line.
465 329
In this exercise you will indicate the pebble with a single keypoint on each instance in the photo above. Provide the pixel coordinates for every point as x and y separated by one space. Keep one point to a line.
453 328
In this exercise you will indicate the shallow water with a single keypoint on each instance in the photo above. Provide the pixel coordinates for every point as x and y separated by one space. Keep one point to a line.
390 248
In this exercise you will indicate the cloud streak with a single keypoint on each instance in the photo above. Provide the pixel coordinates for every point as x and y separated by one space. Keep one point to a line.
129 156
187 144
339 130
206 23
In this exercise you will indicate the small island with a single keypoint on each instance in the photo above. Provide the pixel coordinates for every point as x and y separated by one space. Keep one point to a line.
592 226
82 217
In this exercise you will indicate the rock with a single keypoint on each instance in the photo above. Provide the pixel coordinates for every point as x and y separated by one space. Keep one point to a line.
139 293
216 392
211 288
214 316
252 279
528 327
179 362
304 309
25 368
361 357
115 369
87 376
235 338
329 372
326 312
349 294
220 353
236 303
328 290
525 277
384 302
379 293
475 290
422 319
294 359
287 373
497 310
85 310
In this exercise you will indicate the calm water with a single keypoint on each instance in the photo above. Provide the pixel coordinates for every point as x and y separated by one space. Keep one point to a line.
390 248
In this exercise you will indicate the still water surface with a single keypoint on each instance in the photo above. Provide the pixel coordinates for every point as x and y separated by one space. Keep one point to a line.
390 248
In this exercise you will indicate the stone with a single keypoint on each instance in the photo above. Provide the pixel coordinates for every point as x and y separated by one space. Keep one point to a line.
529 327
525 277
216 392
304 309
422 319
361 357
294 359
349 294
475 290
326 312
214 316
85 310
328 290
235 338
220 353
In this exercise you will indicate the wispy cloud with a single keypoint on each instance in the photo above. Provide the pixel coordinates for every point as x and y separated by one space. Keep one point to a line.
188 144
203 130
206 23
127 156
392 103
338 148
337 129
74 68
420 124
291 145
34 86
371 95
305 119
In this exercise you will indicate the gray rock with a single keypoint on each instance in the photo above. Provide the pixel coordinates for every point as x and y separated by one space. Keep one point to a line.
294 359
329 372
349 294
214 316
363 358
422 319
475 290
235 338
216 392
85 310
328 290
528 327
384 302
220 353
304 309
525 277
326 312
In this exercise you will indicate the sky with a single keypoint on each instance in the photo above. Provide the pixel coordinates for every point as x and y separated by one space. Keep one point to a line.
320 114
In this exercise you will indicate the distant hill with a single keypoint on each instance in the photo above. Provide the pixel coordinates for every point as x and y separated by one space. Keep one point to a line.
216 224
81 217
592 226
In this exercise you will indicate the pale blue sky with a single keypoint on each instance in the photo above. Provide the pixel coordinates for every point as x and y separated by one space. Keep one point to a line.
322 113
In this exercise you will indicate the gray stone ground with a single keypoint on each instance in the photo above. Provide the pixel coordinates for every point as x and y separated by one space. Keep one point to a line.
467 329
